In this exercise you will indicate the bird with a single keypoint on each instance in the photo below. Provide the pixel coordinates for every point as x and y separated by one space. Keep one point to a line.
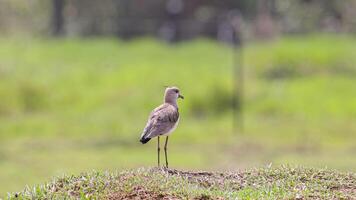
163 120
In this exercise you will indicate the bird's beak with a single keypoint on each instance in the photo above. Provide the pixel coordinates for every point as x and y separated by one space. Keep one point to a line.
180 96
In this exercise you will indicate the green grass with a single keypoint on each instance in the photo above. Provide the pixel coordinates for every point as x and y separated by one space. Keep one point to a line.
73 105
282 182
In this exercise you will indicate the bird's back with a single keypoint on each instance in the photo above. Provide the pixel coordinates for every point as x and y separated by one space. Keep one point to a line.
161 121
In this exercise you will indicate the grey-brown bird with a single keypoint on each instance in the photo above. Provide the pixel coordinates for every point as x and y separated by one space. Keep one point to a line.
163 120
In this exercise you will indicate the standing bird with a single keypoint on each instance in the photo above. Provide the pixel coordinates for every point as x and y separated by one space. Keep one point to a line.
163 120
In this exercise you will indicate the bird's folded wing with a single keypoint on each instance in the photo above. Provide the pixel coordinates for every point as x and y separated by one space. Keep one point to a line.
161 120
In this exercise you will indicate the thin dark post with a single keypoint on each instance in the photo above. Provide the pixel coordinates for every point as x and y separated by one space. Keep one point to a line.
238 76
238 98
57 17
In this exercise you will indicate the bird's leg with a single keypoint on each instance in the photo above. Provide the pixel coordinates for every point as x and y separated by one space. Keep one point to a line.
158 149
165 151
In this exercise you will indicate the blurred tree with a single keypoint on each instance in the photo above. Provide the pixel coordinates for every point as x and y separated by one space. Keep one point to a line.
174 20
57 17
264 23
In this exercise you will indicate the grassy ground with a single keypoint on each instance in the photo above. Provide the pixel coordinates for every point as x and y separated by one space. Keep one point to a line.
160 183
72 105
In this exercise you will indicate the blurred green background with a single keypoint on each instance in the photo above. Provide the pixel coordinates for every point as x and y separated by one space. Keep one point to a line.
79 101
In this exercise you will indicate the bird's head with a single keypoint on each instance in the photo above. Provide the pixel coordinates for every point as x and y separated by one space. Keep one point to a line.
172 94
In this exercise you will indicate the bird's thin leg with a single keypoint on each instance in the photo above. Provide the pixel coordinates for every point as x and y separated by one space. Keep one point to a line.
158 149
165 151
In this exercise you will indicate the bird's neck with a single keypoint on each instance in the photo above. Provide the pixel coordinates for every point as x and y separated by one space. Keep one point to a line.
171 102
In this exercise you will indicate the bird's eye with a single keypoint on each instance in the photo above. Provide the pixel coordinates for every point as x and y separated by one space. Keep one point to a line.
176 91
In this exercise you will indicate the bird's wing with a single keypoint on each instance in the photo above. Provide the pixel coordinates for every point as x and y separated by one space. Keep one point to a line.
161 120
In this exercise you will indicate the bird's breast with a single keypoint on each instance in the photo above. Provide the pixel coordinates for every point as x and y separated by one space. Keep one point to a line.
173 128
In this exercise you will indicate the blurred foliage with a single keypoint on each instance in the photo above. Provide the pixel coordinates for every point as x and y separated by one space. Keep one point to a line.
19 17
33 98
292 57
218 101
127 19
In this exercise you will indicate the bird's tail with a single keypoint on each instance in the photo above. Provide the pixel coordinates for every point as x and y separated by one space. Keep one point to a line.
144 140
